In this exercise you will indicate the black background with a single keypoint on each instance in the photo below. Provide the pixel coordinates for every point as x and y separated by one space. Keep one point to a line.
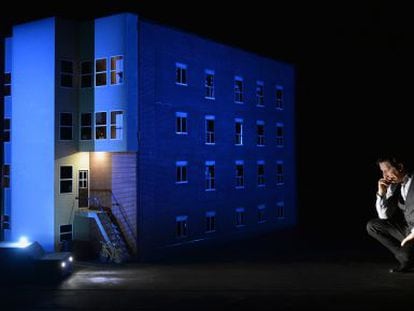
354 66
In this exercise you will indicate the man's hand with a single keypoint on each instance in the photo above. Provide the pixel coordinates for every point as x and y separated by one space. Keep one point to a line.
407 238
383 185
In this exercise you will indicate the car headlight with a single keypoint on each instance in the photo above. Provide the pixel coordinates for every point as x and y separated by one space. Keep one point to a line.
71 259
63 264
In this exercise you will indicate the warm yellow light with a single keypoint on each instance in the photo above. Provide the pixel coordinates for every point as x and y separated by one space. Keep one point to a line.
100 155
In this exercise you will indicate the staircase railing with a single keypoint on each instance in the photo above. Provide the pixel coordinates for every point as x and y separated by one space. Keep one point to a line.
109 196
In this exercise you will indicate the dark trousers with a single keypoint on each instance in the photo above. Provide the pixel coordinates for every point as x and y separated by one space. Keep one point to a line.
390 234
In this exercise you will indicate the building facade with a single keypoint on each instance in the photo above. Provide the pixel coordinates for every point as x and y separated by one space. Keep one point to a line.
173 137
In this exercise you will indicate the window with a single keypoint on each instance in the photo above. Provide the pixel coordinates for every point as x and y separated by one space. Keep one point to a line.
239 174
210 221
6 176
180 74
260 173
83 179
210 137
239 217
86 74
86 126
260 93
209 84
279 97
280 180
65 233
65 126
261 216
238 132
280 209
280 141
238 89
210 176
66 73
117 69
181 122
6 130
100 72
117 124
7 84
66 179
181 168
260 133
181 226
100 125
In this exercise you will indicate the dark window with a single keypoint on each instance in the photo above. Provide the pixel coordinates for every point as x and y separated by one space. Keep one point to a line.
86 126
66 179
66 126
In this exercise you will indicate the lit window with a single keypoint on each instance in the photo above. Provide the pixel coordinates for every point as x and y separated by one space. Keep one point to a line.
181 122
260 133
117 69
280 179
210 134
210 176
100 72
66 73
86 126
6 176
181 170
117 124
279 97
6 130
280 140
260 93
239 217
100 125
66 179
181 226
180 74
86 74
239 174
238 89
210 221
7 84
260 173
209 84
261 216
238 131
65 126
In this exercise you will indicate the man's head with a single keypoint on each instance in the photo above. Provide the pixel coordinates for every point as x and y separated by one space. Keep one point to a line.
392 168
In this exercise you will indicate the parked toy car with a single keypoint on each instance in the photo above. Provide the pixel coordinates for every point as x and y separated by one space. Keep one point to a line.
28 260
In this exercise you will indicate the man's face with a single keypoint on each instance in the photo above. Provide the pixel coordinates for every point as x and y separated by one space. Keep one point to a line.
390 173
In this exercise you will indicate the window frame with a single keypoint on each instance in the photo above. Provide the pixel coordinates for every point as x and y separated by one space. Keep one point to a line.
96 126
65 126
181 166
66 179
181 226
209 89
181 73
210 179
179 117
260 94
83 75
210 136
115 125
102 72
116 71
238 90
238 136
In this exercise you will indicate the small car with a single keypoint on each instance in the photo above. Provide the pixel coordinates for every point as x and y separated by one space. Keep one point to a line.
29 261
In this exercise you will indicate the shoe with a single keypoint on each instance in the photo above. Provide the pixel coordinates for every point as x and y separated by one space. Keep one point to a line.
402 268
